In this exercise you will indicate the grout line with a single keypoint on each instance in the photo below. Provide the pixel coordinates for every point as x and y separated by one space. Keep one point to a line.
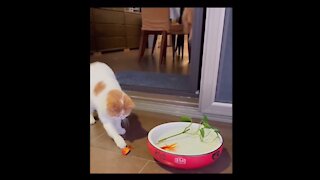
135 156
144 166
95 138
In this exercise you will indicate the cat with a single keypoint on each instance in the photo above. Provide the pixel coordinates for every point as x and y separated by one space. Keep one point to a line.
109 101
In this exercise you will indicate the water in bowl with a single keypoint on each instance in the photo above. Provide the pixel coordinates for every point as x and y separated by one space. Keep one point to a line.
190 142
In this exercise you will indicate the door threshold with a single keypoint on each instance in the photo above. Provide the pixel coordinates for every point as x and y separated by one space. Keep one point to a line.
164 98
172 105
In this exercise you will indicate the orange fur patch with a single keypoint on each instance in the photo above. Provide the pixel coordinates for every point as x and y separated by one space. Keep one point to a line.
114 105
118 101
128 104
100 86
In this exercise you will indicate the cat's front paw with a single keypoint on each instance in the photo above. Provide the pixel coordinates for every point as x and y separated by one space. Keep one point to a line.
120 142
121 131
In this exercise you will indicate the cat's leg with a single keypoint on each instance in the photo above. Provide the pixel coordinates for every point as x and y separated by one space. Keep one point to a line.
118 127
92 120
112 132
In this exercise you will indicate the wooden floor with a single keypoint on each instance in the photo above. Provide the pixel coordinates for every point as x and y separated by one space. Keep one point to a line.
105 157
128 61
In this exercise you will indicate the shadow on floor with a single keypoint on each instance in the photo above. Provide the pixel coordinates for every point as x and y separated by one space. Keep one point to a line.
135 131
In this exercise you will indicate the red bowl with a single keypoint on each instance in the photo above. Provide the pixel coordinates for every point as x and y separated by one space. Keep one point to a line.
176 160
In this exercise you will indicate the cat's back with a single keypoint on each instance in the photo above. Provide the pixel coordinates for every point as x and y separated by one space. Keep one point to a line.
102 75
101 70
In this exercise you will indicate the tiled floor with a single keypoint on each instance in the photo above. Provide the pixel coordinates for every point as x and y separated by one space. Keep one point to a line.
105 157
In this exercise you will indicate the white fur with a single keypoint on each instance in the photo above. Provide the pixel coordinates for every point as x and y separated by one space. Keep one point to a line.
102 72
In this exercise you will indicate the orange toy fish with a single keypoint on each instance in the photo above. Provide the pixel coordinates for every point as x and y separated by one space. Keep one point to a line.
126 150
170 147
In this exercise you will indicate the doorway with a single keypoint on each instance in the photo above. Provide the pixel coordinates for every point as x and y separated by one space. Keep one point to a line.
115 35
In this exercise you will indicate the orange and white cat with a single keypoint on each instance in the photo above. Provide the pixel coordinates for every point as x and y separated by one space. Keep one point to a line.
110 102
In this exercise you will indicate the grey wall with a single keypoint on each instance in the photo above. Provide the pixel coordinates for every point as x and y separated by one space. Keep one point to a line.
224 86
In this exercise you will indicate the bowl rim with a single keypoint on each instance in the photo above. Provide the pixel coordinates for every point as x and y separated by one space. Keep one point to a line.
195 155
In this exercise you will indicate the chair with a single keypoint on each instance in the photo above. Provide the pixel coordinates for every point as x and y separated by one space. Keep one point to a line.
156 21
180 39
186 20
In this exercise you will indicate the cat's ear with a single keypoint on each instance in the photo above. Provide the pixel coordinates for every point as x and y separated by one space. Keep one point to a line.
128 103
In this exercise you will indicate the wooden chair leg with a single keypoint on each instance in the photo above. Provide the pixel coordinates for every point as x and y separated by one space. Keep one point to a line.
154 42
163 46
189 51
179 44
173 40
143 43
165 50
182 45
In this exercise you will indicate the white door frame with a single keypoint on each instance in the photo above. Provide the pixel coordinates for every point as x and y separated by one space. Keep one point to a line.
210 64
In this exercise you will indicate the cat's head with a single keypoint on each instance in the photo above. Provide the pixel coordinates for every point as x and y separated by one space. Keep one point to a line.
119 104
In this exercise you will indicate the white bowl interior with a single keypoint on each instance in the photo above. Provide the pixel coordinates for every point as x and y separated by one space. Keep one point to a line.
158 132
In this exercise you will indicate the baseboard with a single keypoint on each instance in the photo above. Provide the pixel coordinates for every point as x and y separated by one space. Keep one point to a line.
177 110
